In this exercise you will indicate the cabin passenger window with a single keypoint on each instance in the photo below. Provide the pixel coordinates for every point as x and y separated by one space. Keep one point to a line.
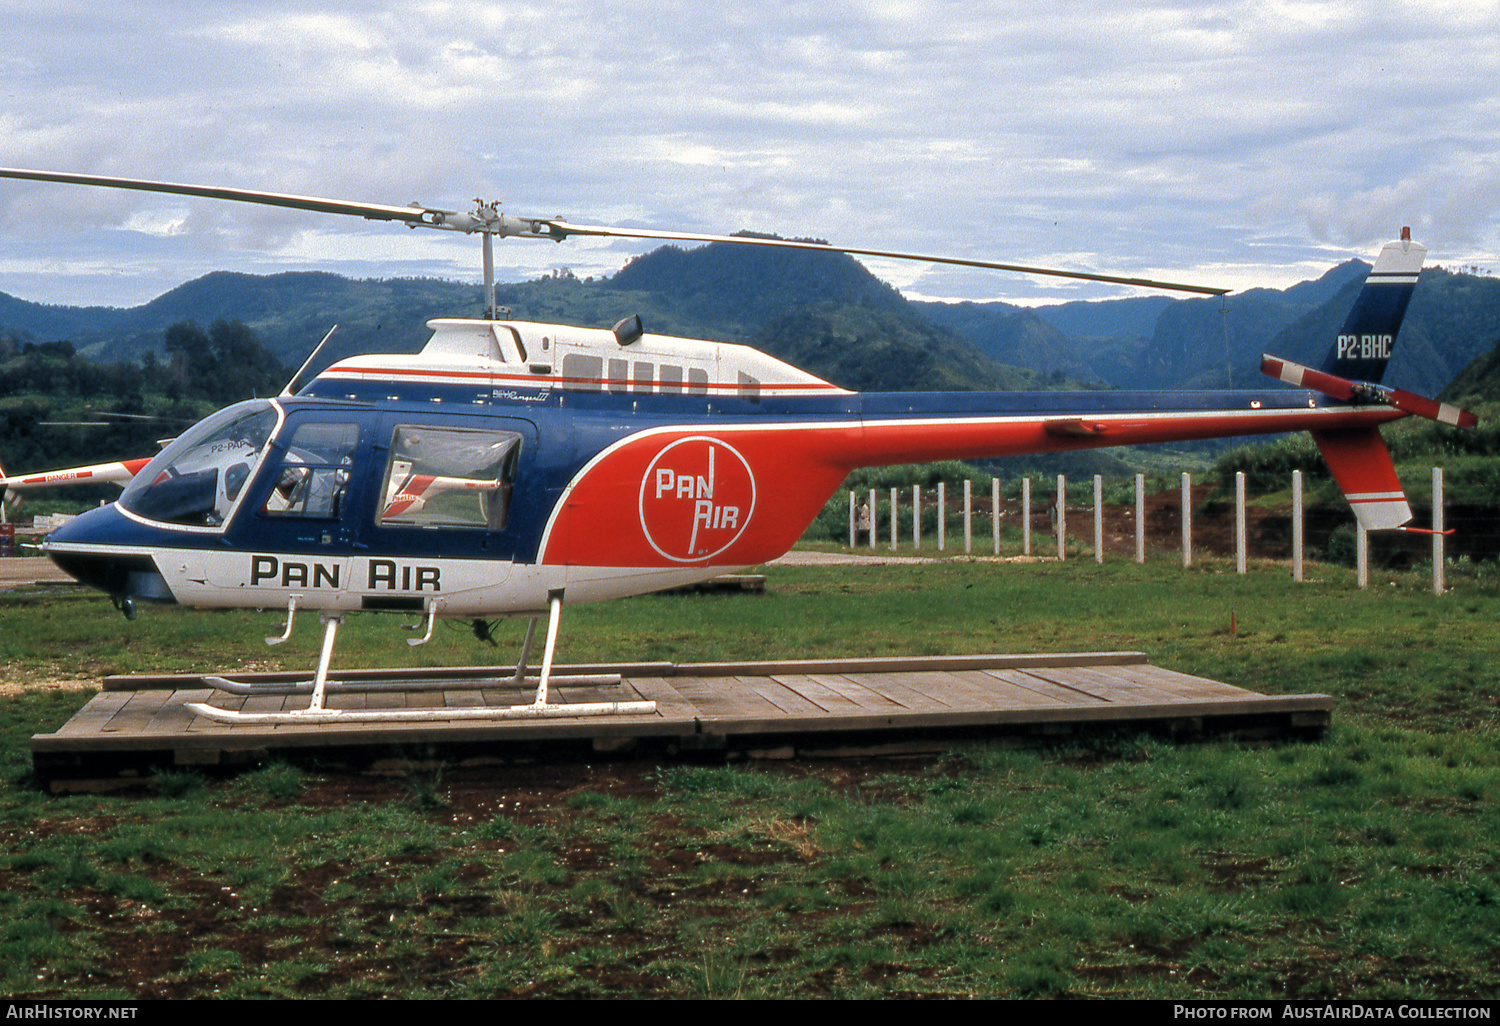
671 378
314 476
581 373
697 381
645 376
619 375
449 477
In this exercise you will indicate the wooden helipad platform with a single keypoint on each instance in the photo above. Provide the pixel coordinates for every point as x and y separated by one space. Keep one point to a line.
798 706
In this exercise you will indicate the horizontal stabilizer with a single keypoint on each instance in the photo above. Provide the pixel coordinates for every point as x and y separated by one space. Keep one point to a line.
1074 428
1361 391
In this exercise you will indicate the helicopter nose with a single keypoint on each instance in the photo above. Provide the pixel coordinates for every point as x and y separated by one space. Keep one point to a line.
80 549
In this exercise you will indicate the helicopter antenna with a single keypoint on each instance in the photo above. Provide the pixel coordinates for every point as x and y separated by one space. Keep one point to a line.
287 390
487 220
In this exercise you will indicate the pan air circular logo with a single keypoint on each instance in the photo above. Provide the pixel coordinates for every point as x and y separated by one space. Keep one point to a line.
696 499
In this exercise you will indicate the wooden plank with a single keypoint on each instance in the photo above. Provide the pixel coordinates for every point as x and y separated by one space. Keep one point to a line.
500 698
174 717
867 699
1103 686
136 712
1008 694
961 691
270 703
909 664
670 703
899 689
719 698
1174 683
425 699
781 696
1065 680
951 690
94 716
1125 687
819 694
581 695
274 703
1058 693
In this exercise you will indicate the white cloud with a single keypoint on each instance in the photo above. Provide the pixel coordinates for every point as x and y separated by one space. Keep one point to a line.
1163 138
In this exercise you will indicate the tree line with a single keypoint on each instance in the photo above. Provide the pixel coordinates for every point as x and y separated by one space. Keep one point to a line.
59 407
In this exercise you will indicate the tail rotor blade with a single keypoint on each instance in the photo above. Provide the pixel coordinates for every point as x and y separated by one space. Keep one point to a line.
1336 387
1422 406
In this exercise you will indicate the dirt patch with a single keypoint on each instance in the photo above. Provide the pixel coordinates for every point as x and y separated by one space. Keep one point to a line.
19 571
342 923
18 680
1268 534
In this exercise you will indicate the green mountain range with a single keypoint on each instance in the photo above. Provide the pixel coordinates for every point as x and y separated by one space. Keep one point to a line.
823 312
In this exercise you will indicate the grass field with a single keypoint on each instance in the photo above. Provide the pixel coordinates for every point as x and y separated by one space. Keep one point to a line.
1362 864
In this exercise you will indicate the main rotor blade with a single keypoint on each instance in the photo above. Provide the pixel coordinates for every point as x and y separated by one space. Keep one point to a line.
491 222
565 228
373 211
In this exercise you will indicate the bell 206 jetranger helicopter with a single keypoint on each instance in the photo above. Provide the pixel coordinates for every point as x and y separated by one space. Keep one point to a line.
511 464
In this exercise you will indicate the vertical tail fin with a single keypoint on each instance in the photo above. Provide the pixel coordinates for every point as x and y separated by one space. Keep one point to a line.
1364 345
1361 464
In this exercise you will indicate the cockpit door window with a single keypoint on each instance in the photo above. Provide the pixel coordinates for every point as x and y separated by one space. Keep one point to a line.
314 477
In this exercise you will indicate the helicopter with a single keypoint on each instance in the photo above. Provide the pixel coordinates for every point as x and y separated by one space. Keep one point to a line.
511 466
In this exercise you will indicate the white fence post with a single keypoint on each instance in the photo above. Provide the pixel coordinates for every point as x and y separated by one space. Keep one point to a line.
1439 554
1025 516
874 520
851 520
1239 522
995 511
968 516
1298 538
1362 554
1187 519
1062 517
916 516
1140 518
1098 519
942 515
894 510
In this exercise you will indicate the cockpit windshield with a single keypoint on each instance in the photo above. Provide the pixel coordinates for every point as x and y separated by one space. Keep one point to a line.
197 479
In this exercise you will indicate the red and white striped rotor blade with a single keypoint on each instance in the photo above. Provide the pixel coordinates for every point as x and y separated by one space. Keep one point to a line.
1342 388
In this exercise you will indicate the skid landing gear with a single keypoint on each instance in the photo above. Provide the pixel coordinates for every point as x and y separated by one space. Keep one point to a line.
317 712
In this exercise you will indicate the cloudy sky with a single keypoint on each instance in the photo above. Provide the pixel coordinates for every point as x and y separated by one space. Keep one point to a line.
1237 144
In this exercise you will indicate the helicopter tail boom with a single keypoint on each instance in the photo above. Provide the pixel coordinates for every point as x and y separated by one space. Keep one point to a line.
738 495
